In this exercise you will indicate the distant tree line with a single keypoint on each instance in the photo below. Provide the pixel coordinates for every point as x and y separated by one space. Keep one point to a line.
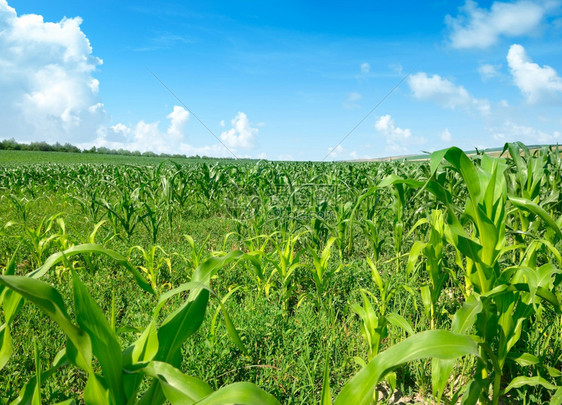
12 144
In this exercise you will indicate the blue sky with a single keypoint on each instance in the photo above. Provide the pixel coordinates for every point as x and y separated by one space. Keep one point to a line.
282 80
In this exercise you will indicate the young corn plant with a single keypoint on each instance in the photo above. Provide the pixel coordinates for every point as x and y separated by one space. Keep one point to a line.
259 262
42 238
288 260
321 271
506 298
154 260
197 253
433 252
153 358
376 318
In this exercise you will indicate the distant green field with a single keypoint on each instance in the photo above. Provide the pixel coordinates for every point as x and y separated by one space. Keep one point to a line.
18 157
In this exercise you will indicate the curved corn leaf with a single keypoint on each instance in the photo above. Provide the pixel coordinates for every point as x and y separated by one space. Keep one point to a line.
50 301
92 248
242 393
429 344
532 381
533 208
177 387
105 345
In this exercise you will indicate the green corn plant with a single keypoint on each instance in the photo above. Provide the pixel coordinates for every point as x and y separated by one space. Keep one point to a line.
508 295
321 272
398 208
438 344
10 307
376 318
213 335
259 262
288 260
154 356
196 252
152 265
343 226
41 238
319 228
123 214
433 252
371 220
22 205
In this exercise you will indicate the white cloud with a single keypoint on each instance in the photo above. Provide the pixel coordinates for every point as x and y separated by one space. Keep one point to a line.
488 71
477 27
445 93
351 101
446 135
398 139
511 132
535 82
335 152
48 92
148 136
178 119
365 67
242 134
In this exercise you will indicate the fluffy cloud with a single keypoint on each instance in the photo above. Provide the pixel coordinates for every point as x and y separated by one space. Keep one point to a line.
511 132
241 135
398 140
48 91
476 27
147 136
445 93
535 82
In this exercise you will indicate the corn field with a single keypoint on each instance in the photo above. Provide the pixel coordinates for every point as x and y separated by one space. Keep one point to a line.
294 283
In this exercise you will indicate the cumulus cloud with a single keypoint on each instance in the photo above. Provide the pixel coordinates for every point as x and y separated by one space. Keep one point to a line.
488 71
477 27
511 132
537 83
445 93
148 136
48 91
242 134
145 136
398 139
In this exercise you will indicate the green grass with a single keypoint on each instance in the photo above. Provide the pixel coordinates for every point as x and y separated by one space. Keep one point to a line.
16 157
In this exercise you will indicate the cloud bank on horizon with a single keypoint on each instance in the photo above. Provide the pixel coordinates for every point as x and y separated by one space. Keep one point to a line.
50 90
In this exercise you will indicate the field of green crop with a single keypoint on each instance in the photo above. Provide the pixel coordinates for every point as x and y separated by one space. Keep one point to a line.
198 282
